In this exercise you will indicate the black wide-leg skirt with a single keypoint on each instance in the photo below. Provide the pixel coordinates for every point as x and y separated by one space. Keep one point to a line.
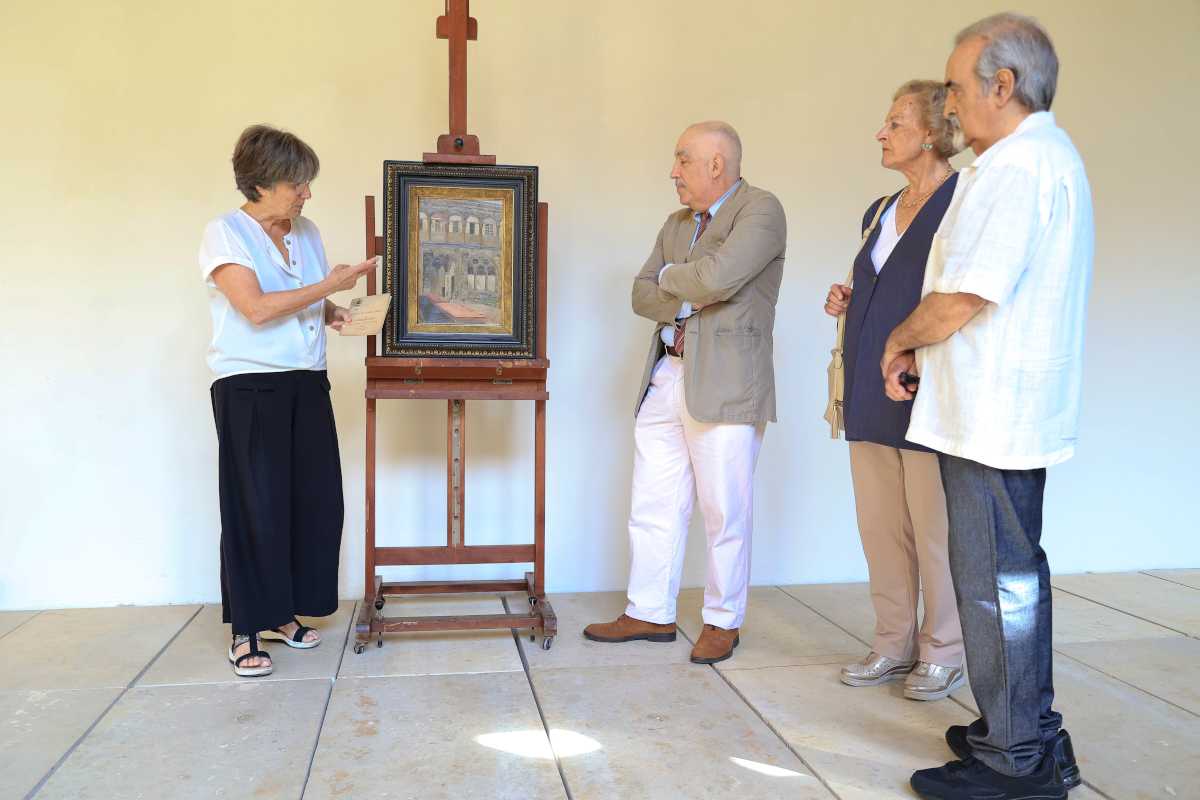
281 498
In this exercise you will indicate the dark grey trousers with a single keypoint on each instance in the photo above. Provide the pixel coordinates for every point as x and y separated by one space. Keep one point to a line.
1002 585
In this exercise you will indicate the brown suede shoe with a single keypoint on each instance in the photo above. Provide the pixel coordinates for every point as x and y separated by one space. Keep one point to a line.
715 644
628 629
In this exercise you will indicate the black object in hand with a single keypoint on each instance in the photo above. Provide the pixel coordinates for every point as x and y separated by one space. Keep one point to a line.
907 379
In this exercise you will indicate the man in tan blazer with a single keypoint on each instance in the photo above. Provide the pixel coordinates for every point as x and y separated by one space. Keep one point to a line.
710 284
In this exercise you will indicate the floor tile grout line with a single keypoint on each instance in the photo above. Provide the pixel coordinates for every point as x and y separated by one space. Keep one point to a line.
537 701
135 682
1123 611
839 627
317 743
832 663
337 673
963 705
844 630
1134 686
1065 591
235 681
170 642
763 719
1168 580
407 675
966 707
820 778
23 623
1096 789
63 758
951 697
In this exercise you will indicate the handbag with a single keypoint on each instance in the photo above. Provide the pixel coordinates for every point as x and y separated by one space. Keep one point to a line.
836 369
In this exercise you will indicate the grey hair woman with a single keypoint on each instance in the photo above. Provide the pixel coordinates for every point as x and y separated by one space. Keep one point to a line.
279 472
898 493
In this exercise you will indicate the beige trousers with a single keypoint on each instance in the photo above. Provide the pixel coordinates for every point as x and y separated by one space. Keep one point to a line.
902 520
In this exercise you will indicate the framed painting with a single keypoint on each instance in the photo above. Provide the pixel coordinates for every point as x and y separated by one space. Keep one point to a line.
460 260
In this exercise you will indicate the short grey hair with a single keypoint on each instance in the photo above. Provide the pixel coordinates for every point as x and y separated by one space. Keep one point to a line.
733 143
931 103
264 155
1021 44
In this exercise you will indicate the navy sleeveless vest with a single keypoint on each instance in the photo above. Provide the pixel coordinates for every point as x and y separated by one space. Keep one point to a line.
880 303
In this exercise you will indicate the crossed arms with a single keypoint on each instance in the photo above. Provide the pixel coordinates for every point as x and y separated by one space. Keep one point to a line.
758 237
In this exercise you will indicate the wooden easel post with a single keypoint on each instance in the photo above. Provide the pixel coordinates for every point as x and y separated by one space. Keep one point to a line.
458 147
456 381
373 249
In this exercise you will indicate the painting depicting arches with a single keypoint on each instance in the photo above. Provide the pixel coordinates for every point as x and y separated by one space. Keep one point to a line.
457 291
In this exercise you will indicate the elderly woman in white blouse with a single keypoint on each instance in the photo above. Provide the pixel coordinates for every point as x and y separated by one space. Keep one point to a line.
279 474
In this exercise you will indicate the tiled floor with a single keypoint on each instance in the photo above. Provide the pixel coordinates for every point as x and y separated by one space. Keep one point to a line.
139 702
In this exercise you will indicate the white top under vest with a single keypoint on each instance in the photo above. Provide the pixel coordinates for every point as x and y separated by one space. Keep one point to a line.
1004 390
887 239
296 341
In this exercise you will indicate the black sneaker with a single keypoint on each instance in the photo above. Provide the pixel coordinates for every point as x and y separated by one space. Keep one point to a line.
971 779
1060 748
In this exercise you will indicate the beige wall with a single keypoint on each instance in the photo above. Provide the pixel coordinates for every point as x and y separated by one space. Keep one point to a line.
119 118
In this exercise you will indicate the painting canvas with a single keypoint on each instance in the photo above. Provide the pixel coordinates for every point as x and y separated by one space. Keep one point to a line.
460 260
464 249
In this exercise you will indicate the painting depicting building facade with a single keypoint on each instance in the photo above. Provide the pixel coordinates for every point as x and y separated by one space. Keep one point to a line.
460 261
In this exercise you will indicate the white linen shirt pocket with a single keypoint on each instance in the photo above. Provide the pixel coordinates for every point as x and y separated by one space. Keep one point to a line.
994 233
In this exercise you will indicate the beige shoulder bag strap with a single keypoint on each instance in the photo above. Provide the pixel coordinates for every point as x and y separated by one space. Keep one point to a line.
837 376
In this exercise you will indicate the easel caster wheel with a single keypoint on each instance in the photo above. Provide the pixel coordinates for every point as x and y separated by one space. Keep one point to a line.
380 642
533 601
547 642
359 647
379 603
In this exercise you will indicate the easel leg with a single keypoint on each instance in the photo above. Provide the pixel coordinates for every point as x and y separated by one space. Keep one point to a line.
539 498
537 581
372 597
456 472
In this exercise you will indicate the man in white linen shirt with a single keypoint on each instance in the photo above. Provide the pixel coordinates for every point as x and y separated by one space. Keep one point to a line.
998 344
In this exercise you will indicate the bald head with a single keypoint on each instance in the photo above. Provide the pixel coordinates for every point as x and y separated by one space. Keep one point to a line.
708 160
719 137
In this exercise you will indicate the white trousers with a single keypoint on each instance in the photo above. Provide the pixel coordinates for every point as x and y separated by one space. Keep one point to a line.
676 459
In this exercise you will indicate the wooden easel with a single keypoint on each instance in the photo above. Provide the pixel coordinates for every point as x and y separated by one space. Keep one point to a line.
456 381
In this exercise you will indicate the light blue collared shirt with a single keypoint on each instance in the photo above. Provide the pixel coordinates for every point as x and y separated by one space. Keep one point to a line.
685 311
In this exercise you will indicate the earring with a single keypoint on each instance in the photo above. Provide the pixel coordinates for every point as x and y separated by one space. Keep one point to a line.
926 146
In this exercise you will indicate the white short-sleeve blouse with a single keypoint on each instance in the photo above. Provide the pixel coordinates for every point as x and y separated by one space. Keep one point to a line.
296 341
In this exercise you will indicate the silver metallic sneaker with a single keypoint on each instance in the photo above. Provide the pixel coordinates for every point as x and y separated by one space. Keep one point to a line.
874 670
932 682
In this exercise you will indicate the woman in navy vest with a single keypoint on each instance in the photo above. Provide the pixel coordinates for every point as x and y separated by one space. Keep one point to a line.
897 486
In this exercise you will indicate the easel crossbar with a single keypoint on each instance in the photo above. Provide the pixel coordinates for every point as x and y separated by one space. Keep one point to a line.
451 587
472 622
468 554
